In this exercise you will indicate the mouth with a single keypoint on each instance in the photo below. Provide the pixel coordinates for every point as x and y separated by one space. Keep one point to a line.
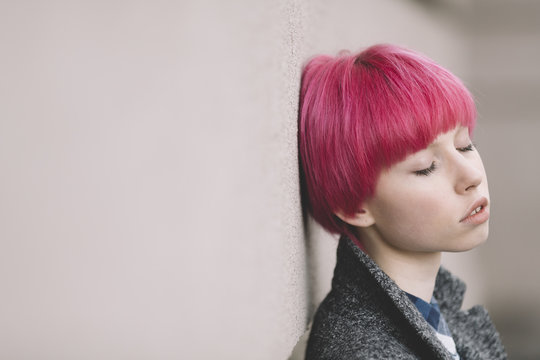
477 213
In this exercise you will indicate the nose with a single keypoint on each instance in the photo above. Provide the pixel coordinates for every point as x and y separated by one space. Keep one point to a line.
469 174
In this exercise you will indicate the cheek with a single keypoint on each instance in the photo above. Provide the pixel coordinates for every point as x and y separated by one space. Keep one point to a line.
411 202
410 214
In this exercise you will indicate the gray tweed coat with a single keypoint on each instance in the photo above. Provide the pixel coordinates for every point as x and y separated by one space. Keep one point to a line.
367 316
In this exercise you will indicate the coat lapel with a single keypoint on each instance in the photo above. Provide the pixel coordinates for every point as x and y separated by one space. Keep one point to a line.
472 330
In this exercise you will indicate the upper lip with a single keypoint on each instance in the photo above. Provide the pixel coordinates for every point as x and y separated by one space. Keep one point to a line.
480 202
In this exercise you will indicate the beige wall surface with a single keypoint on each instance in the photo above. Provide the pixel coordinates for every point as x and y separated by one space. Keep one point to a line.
506 81
149 200
149 180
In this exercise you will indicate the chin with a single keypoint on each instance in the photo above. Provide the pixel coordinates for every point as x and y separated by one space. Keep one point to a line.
472 240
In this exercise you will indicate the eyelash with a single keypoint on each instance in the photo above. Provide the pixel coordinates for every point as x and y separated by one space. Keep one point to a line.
469 147
429 170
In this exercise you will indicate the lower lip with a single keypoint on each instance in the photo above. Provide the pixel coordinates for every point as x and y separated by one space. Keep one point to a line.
479 218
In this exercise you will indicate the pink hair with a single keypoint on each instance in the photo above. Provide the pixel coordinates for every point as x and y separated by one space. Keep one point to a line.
361 113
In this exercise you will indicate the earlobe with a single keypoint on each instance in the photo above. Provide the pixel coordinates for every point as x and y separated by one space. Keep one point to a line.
361 218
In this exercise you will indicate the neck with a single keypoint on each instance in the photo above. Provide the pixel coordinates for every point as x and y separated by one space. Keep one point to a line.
414 272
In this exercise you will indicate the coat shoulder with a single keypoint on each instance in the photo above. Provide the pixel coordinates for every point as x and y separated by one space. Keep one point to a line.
346 328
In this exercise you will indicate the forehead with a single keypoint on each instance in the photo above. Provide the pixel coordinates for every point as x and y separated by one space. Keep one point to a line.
458 132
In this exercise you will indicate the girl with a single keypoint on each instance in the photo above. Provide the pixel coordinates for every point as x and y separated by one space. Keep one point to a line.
387 162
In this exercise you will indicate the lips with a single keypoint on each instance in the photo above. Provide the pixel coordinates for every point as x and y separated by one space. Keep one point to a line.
477 213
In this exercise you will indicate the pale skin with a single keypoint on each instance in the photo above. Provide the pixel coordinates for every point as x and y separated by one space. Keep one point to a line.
422 206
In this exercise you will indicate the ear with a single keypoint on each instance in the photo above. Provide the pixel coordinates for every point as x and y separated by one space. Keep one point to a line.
361 218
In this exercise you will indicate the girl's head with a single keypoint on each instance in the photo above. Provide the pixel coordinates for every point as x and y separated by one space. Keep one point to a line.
362 113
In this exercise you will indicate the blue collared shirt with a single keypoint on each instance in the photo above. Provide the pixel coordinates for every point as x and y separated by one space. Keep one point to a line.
433 316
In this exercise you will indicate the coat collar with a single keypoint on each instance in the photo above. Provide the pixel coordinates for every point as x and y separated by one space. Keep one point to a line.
359 271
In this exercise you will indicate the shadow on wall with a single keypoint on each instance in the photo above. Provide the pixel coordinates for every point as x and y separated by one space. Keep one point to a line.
299 350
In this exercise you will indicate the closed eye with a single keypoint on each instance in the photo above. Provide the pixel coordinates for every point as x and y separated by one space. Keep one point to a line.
427 171
469 147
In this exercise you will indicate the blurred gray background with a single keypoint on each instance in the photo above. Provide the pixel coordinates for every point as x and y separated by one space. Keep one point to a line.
149 200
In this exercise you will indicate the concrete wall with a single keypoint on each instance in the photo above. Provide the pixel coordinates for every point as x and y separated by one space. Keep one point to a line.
149 187
149 180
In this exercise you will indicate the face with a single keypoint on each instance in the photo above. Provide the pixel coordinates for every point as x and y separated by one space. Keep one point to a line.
435 200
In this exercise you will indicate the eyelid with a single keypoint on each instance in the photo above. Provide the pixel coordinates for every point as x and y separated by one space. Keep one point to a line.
426 171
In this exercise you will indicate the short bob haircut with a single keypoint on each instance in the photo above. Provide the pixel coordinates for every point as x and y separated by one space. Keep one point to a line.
361 113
